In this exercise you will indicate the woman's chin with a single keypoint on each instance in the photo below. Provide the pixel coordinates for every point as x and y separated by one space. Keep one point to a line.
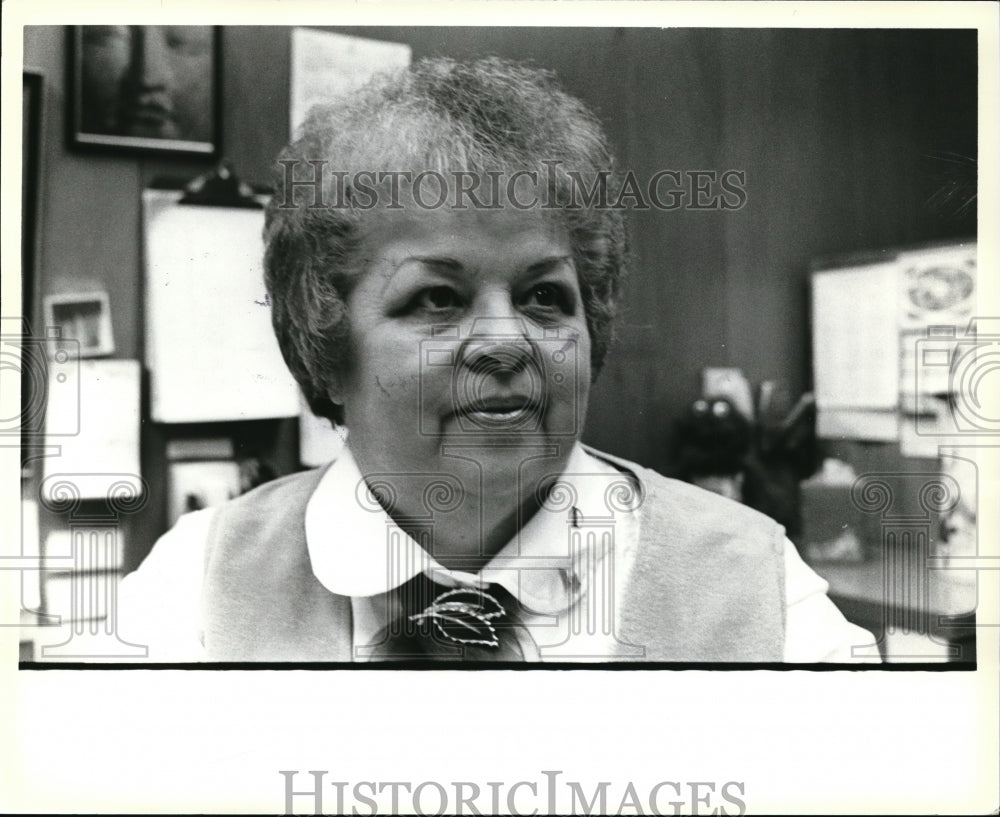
505 459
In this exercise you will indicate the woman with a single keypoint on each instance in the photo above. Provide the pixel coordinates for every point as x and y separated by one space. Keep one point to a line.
443 263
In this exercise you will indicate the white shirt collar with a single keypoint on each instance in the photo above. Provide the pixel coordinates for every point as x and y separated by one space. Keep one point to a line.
356 549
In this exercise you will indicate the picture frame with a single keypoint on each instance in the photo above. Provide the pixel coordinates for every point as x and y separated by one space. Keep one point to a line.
31 178
145 89
32 155
79 324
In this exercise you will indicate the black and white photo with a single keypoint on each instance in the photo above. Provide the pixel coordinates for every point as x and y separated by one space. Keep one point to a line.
611 390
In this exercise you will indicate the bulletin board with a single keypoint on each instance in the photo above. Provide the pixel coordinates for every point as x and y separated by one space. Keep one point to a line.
210 349
888 340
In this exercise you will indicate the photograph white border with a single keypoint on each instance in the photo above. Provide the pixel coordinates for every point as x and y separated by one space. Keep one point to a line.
802 742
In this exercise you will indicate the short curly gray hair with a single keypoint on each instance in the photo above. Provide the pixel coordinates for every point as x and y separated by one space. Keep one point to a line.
439 115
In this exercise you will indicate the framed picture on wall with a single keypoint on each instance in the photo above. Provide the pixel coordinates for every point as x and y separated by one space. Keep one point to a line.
79 324
153 89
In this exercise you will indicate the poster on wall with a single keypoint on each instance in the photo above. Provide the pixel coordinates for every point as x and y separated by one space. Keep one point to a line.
854 351
326 64
92 414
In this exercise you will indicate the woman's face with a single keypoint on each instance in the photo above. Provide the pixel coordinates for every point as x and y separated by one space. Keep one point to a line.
469 342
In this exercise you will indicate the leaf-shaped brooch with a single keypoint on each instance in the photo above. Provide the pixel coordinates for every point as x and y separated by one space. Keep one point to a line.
464 616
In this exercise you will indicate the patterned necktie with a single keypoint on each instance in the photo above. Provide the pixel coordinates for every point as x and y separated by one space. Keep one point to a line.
441 623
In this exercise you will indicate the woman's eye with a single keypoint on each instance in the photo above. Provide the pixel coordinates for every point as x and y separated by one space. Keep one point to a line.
546 296
437 298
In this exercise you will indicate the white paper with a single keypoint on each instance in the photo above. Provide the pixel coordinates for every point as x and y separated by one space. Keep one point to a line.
78 596
197 485
326 65
31 587
84 547
926 360
210 348
912 443
858 424
856 337
101 399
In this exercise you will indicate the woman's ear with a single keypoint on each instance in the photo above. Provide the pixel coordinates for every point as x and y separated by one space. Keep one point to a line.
335 388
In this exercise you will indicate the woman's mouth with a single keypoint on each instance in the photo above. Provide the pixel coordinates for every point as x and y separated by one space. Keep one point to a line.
500 413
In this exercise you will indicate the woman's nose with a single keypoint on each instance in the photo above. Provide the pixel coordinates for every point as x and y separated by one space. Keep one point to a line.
498 339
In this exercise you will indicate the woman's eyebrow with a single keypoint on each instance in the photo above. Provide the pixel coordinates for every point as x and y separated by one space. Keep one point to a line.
548 265
434 262
454 269
447 267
